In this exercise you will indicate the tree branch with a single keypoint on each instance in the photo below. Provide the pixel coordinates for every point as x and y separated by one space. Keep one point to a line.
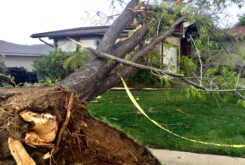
158 71
114 79
122 48
200 60
155 8
130 63
113 33
158 39
86 79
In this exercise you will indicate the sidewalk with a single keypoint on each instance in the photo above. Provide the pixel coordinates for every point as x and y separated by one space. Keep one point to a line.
167 157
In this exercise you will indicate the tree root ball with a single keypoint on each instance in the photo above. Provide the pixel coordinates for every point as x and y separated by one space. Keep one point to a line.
80 139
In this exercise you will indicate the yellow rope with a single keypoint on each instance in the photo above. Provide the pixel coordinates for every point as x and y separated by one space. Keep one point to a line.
165 129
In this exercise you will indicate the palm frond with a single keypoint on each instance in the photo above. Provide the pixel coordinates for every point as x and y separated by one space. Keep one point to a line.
76 59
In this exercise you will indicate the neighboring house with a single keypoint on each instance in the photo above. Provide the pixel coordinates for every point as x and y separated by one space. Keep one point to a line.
16 55
234 43
238 45
238 30
91 37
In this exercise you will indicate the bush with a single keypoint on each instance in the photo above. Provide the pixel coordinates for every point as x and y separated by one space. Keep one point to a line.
3 69
51 66
143 78
58 64
76 59
5 78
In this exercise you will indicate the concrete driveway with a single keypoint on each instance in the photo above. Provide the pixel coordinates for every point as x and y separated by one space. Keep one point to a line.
167 157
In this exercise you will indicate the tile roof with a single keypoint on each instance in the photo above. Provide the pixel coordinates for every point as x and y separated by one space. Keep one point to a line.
81 31
11 49
238 31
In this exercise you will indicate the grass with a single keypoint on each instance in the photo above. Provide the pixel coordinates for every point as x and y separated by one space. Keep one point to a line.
207 119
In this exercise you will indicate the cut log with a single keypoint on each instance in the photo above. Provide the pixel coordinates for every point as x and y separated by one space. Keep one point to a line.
84 140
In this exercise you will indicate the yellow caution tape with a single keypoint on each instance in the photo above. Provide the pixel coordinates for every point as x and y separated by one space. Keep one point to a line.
156 123
165 129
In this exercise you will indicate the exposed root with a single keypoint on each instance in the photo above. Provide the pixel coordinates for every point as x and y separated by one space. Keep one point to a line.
64 125
44 130
68 115
19 153
80 138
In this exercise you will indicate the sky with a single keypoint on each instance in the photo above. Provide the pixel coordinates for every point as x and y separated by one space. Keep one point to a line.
21 18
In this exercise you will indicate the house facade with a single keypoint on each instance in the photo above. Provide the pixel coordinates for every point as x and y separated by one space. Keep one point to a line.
91 36
15 55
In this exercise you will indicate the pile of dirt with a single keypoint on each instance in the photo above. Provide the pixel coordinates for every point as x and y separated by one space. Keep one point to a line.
82 140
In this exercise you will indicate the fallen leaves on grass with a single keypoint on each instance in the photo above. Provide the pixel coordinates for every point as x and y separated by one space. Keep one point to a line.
179 110
138 112
95 101
114 119
150 110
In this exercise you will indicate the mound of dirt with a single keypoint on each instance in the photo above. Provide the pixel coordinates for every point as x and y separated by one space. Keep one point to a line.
80 138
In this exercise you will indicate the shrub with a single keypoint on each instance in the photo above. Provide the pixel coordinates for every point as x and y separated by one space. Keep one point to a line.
3 68
5 78
143 78
51 66
58 64
76 59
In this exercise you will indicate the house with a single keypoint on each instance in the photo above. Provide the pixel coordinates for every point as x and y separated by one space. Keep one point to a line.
232 52
89 36
92 35
16 55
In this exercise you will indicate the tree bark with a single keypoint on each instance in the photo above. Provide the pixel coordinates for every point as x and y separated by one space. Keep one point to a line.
85 140
88 78
105 80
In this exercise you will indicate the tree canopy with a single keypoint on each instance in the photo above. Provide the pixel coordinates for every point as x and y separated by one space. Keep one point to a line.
154 23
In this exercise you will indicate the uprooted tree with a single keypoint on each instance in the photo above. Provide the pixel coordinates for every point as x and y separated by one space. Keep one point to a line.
53 124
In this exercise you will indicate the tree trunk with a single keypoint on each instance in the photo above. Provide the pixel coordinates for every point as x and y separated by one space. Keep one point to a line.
88 79
83 140
80 139
95 78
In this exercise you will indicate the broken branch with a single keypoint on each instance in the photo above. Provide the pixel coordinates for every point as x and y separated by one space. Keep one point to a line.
158 71
68 115
64 125
19 153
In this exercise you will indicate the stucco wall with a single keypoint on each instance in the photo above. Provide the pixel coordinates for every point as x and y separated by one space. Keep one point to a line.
170 56
69 46
20 61
171 52
66 45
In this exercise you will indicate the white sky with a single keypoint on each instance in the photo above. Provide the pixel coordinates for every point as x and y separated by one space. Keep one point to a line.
21 18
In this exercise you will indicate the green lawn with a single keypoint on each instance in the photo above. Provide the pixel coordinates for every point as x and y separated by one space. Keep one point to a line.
208 120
